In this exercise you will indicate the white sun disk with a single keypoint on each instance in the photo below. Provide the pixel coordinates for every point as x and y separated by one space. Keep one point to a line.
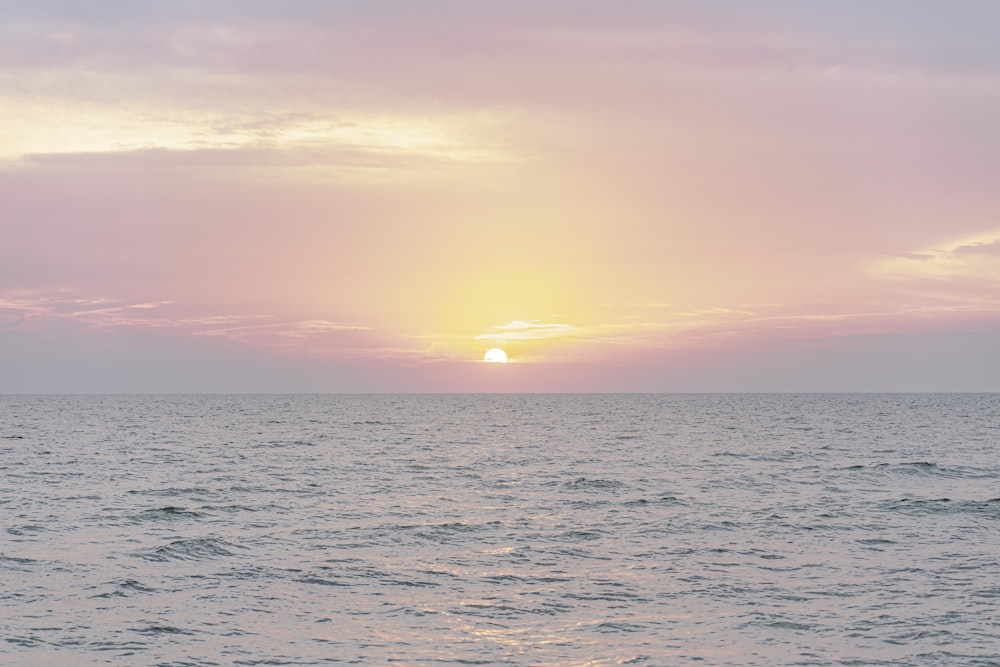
495 355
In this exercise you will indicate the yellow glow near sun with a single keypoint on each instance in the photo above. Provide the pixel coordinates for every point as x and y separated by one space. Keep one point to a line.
495 355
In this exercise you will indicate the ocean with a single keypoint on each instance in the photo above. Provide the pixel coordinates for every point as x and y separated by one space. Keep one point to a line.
530 529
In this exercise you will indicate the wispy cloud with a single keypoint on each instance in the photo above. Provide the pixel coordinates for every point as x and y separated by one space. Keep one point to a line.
312 336
979 249
525 330
27 310
966 270
192 138
715 326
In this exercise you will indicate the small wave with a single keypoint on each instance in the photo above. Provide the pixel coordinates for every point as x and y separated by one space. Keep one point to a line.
446 532
914 468
410 583
107 645
583 535
281 444
908 466
993 592
503 578
988 508
906 503
194 549
722 525
607 596
15 563
790 625
462 527
126 588
387 578
913 465
232 508
169 491
168 513
572 552
618 626
584 483
162 630
320 581
661 500
24 642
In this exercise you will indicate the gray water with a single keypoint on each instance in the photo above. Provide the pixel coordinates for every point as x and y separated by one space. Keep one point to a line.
500 529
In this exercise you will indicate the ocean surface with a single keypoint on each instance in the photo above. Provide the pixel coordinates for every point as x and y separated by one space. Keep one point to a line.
785 529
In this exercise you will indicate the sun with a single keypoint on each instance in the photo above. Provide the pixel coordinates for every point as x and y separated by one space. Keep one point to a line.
495 355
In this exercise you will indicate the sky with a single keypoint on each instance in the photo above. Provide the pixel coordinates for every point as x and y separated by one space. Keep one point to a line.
314 196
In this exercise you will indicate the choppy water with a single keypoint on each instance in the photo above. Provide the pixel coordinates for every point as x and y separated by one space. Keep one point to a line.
500 529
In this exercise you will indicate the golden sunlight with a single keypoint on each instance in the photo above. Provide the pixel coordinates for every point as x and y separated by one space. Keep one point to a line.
495 355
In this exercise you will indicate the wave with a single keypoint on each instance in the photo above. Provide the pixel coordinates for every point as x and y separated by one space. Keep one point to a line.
168 513
582 483
321 581
662 500
16 564
162 630
189 550
170 491
126 588
986 508
919 469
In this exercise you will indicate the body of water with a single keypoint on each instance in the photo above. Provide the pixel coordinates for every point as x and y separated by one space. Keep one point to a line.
789 529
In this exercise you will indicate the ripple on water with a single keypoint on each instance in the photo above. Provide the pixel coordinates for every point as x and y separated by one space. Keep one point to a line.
500 530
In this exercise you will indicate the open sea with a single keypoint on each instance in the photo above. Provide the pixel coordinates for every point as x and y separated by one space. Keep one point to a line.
624 529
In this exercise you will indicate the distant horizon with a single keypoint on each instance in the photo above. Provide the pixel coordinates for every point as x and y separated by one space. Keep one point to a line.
499 197
515 393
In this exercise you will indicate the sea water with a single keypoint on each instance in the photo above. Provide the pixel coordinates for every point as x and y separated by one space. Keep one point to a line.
500 530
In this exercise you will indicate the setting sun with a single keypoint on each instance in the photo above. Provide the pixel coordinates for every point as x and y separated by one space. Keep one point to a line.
495 356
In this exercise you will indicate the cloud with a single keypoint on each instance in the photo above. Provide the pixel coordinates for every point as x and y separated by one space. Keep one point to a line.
286 334
526 330
46 134
969 263
35 311
676 329
979 248
721 327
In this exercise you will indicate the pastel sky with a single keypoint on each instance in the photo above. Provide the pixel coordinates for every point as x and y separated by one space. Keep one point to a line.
625 196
